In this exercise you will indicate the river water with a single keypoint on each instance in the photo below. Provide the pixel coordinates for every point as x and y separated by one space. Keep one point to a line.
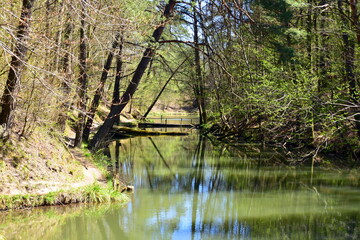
188 188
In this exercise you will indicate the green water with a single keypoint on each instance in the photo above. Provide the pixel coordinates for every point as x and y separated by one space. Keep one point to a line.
187 188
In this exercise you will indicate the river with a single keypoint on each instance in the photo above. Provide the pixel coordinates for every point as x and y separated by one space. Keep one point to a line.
188 188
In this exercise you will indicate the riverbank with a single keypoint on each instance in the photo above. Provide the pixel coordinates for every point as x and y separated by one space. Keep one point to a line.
43 170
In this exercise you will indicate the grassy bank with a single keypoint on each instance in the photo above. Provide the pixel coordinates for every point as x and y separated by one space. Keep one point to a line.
41 170
94 193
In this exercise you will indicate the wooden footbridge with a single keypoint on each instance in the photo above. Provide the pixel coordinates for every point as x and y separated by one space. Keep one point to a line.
170 122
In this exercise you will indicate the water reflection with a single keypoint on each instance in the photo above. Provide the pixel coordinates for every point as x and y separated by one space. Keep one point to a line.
187 188
200 191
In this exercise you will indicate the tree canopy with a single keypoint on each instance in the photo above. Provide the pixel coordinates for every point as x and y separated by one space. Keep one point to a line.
282 72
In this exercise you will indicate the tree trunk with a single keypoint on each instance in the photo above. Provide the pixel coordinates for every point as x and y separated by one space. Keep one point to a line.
65 62
349 55
82 78
323 53
350 64
116 92
309 33
99 91
355 19
16 66
126 97
199 81
66 72
162 89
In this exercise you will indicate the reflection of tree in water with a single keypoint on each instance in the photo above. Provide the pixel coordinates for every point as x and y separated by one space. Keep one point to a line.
211 192
223 191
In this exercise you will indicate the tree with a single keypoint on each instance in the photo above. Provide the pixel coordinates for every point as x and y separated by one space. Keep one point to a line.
17 63
83 76
351 18
199 81
129 92
118 75
99 91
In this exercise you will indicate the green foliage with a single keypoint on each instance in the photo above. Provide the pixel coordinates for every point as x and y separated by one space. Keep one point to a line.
280 9
287 81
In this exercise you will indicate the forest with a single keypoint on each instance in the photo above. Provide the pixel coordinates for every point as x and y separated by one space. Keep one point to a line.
269 89
282 72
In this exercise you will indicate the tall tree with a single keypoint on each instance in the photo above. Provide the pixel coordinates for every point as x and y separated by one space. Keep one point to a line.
17 63
82 80
199 80
118 75
129 92
350 56
65 67
100 89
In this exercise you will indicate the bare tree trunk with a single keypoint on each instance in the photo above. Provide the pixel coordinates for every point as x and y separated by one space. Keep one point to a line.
116 92
99 91
16 66
126 97
65 62
82 78
163 88
199 81
66 70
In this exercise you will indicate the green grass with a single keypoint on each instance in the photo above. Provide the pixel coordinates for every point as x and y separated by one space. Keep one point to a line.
89 194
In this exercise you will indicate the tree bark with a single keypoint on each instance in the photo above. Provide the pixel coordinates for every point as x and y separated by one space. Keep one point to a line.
129 92
16 66
199 81
65 62
350 57
82 78
309 32
350 64
99 91
324 63
66 71
355 19
116 92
